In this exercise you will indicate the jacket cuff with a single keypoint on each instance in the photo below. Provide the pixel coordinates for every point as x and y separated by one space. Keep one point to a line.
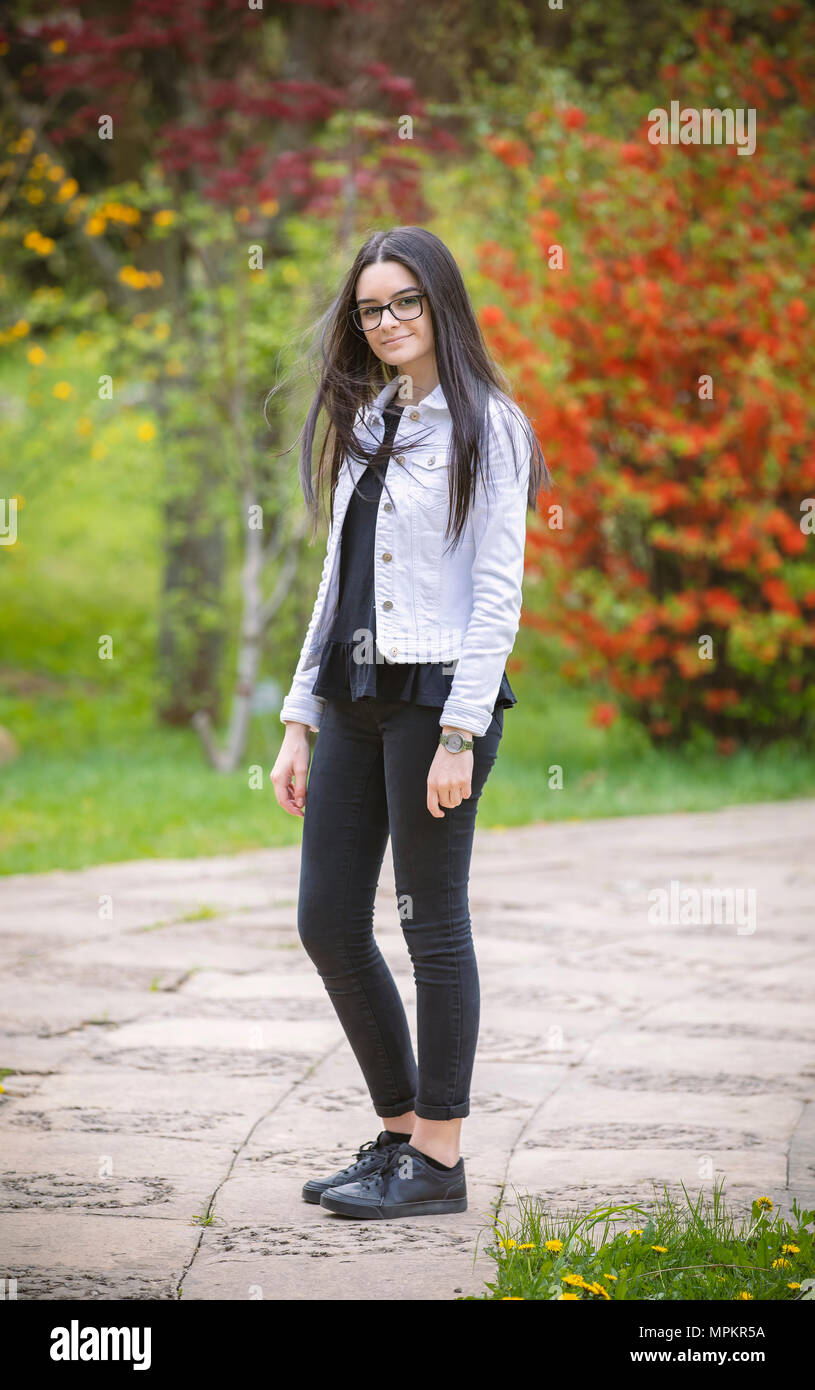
304 709
466 717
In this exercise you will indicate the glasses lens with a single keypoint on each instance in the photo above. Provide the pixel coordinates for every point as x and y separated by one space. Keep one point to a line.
408 307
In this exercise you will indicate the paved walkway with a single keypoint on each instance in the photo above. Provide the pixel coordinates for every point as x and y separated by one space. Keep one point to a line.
180 1056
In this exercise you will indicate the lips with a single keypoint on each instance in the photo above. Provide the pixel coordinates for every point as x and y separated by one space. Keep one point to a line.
391 341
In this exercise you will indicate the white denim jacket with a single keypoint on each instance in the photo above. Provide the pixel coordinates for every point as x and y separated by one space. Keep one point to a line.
461 607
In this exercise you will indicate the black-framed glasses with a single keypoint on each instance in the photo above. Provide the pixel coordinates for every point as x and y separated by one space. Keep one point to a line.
406 306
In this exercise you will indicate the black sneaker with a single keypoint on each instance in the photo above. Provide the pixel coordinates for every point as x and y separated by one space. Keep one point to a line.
370 1158
405 1185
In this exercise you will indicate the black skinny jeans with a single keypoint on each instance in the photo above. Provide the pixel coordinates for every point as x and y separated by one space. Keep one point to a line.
368 780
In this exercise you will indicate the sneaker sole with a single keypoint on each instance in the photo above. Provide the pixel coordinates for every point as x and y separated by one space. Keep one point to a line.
362 1213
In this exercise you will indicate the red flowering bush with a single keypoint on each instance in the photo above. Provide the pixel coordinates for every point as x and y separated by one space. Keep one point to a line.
655 312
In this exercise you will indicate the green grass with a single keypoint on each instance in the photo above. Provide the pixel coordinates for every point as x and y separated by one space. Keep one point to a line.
98 782
702 1253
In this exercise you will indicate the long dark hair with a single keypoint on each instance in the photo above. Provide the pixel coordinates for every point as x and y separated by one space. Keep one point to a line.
351 376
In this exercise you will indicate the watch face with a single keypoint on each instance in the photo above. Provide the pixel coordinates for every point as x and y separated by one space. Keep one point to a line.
454 742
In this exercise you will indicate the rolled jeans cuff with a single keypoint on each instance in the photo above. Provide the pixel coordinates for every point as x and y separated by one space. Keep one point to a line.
442 1112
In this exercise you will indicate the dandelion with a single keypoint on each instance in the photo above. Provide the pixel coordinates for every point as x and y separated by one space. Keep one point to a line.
164 218
242 215
20 328
742 1296
660 1249
36 355
58 45
609 1276
764 1204
575 1280
554 1246
146 432
161 331
55 173
512 1298
781 1264
34 195
269 207
84 426
67 190
507 1244
575 1297
793 1286
790 1250
635 1231
63 390
95 226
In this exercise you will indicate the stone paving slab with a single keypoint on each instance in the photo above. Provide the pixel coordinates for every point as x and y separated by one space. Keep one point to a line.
174 1055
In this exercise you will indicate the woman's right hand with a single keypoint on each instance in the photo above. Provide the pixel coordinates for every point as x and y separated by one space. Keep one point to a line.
290 771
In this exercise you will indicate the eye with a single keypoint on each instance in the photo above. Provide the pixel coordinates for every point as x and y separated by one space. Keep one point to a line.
369 313
409 302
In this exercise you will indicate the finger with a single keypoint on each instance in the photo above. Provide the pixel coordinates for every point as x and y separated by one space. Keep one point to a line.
433 802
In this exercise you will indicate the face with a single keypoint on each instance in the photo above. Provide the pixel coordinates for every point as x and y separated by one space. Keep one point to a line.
407 344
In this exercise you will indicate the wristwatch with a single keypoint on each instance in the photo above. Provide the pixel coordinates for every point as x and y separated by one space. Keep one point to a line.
455 743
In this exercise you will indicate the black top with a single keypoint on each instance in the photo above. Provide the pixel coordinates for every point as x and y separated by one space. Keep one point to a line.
339 675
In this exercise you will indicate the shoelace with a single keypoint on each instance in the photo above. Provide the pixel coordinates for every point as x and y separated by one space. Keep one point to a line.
391 1163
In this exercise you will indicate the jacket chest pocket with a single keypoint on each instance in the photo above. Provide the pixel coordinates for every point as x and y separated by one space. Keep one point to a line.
428 479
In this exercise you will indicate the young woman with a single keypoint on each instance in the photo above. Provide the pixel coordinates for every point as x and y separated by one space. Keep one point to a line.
402 672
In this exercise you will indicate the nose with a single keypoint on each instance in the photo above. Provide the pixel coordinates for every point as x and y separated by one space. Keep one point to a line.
388 310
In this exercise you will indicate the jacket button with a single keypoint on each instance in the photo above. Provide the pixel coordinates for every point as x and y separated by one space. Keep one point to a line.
394 651
387 556
387 507
414 414
387 604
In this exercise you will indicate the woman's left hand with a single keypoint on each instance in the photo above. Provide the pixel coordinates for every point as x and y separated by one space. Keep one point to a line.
449 780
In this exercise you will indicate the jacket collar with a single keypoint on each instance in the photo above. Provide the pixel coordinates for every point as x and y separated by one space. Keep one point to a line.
435 401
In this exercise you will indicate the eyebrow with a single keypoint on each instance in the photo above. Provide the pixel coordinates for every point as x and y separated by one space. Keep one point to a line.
396 296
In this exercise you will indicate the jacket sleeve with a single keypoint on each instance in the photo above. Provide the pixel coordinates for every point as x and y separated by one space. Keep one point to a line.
499 527
300 704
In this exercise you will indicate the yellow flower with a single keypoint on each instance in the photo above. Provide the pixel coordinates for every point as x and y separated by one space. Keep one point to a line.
20 328
575 1279
165 217
660 1249
512 1298
57 45
242 215
598 1288
146 432
574 1296
67 190
161 331
36 355
290 274
63 390
780 1264
790 1250
793 1286
609 1276
269 207
743 1295
507 1244
95 226
155 278
635 1232
34 195
84 426
527 1245
555 1246
55 173
764 1204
